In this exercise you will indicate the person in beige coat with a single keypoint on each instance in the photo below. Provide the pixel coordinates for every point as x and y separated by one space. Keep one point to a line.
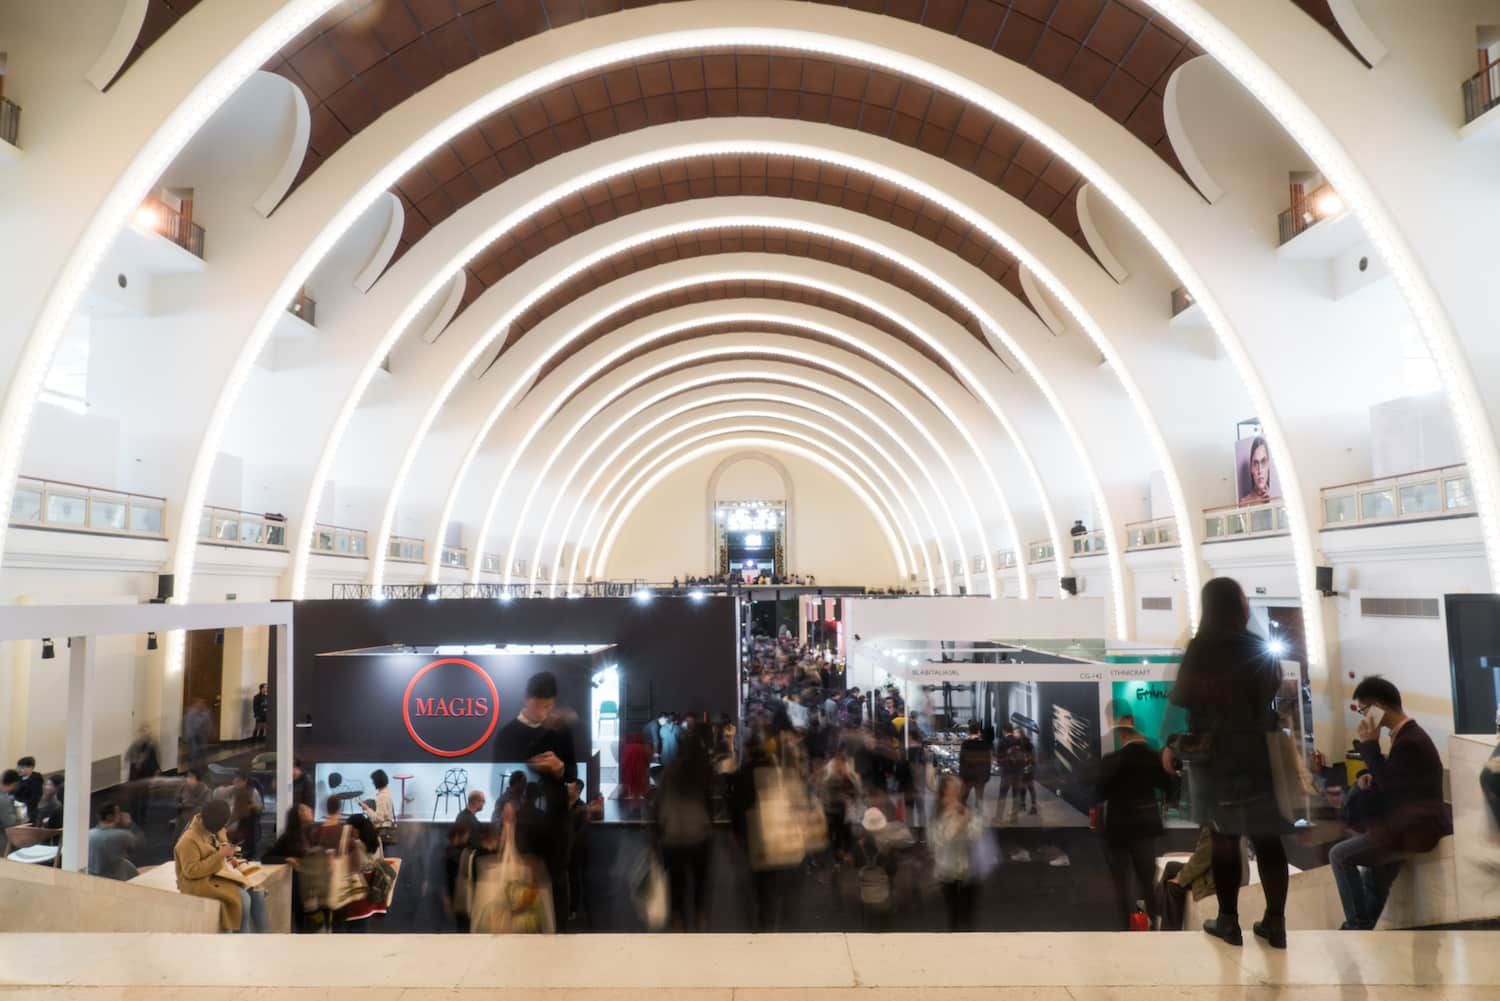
201 852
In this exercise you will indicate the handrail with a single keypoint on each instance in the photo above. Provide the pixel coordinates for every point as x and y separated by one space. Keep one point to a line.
1313 207
490 562
304 307
1153 533
1438 492
1040 551
455 556
59 504
1005 559
1089 543
156 216
1481 91
10 121
1229 521
227 526
406 549
340 540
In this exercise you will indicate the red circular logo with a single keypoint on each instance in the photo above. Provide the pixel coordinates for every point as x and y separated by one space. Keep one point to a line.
447 706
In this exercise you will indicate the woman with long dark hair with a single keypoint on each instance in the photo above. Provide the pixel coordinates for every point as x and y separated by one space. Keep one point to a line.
1228 684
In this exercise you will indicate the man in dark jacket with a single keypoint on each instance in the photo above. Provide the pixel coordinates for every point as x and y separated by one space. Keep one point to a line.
974 760
1407 815
1131 782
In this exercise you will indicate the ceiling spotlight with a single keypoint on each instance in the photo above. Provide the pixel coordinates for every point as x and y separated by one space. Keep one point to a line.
643 595
47 649
1276 647
696 594
505 597
147 219
1328 204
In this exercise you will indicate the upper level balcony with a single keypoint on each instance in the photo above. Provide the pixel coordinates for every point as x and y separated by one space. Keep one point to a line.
1040 551
491 562
1233 521
1317 225
406 549
1088 543
1442 492
10 128
340 541
74 507
455 556
157 217
1005 559
1154 534
1481 93
227 526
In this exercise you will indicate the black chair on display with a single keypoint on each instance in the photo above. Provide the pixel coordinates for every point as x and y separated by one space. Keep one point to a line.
349 793
456 784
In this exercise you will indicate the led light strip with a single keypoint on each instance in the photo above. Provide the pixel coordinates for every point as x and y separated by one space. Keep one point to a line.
667 452
852 342
704 354
791 380
853 467
772 444
736 398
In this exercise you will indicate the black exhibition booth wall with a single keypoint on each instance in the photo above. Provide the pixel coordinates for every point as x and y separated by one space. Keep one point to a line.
675 654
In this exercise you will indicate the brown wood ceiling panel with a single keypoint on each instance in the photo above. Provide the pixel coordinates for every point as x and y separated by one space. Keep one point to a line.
719 176
729 241
739 290
160 16
1319 11
709 330
365 56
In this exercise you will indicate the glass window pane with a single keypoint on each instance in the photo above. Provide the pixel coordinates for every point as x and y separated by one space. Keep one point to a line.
251 531
227 529
63 509
1213 528
1234 524
1458 494
1281 522
1164 533
275 535
107 514
357 544
1262 520
323 540
146 519
26 505
1337 510
206 525
1377 504
1419 498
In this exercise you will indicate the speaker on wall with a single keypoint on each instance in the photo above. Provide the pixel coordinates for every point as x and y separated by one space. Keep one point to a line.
164 588
1325 581
1068 584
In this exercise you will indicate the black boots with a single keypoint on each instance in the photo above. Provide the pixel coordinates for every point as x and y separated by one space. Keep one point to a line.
1273 930
1225 927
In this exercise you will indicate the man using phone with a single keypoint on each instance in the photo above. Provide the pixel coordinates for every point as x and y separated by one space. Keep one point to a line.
1402 797
541 737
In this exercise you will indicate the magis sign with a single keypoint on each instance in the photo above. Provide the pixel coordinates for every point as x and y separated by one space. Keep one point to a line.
450 707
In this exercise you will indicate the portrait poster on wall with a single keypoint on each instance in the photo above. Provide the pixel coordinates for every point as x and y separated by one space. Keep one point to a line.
1255 472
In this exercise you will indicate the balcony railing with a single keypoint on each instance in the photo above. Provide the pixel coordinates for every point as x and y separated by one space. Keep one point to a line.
1151 534
1444 492
304 307
78 508
491 562
455 556
1233 522
154 216
340 541
10 121
226 526
1040 551
1481 92
1182 301
1088 544
1321 203
405 549
1005 559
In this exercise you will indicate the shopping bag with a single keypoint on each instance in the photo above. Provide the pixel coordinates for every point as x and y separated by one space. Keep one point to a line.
648 891
512 896
1290 776
345 884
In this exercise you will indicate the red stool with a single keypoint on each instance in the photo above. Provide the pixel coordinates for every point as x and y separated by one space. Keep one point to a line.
405 799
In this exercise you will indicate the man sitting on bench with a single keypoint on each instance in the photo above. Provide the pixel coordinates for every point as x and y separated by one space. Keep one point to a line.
1405 804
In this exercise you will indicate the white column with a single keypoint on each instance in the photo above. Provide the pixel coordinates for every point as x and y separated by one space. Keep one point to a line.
281 686
80 755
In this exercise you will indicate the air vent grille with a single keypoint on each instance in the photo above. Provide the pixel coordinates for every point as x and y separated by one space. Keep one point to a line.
1400 608
1156 604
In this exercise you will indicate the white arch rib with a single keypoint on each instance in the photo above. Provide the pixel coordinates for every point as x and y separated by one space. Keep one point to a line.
773 444
789 402
852 342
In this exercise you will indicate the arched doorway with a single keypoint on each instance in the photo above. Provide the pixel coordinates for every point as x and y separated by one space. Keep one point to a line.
749 499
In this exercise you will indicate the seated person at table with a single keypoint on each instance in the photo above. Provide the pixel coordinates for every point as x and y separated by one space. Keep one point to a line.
1401 802
111 842
49 812
10 779
201 853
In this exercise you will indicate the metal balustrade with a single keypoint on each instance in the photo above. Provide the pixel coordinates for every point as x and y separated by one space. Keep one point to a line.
80 508
1233 521
1151 534
1040 551
10 121
1481 91
405 549
1441 492
1089 544
340 541
1312 208
155 216
226 526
